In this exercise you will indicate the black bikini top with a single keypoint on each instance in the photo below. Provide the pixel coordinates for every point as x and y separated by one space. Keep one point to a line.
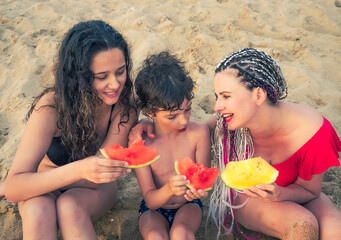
59 154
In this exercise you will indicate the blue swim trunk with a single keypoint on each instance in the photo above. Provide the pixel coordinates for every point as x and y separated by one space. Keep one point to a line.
169 214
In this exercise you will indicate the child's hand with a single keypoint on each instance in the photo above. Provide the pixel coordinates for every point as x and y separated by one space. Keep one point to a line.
194 194
177 184
102 170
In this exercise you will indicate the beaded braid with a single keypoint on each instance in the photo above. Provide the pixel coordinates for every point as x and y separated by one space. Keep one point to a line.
258 69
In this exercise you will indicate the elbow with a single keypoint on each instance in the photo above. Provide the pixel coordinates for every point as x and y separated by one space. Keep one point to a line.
11 194
11 197
151 206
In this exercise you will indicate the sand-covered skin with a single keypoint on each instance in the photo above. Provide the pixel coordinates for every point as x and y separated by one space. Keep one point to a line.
303 36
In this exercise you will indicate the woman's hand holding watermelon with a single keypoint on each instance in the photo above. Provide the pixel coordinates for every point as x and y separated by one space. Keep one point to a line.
177 184
264 192
101 170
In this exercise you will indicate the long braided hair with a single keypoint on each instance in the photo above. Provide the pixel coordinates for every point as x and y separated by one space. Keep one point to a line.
255 69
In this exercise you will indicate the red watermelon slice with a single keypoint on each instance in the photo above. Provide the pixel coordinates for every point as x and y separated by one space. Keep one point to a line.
137 155
199 176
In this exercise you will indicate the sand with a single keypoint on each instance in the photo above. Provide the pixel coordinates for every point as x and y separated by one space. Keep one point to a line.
303 36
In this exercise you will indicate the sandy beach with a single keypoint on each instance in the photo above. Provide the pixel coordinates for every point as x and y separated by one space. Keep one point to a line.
303 36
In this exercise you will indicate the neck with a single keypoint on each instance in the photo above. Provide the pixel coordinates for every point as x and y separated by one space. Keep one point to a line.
164 132
269 122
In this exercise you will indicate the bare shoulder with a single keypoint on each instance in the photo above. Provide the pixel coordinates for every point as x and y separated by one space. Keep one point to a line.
309 116
47 99
44 115
198 128
305 118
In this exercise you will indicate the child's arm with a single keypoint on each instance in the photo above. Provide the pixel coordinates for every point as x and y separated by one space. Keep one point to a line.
156 198
202 155
203 149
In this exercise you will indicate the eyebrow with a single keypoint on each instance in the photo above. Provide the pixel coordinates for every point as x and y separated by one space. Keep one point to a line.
224 92
123 66
171 115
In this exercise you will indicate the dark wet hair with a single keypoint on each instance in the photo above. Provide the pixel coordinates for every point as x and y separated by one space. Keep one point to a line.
257 69
162 84
76 100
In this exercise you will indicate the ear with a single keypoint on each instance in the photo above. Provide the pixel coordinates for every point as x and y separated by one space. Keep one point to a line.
261 95
149 115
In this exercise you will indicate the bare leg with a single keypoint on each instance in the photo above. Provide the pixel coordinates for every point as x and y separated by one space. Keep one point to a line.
328 216
284 220
39 219
186 222
77 207
153 226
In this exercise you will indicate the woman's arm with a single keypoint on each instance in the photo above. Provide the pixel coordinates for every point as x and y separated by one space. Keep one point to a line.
144 126
211 123
25 182
203 149
303 191
299 192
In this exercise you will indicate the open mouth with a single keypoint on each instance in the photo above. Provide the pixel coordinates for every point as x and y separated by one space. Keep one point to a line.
227 116
182 130
111 94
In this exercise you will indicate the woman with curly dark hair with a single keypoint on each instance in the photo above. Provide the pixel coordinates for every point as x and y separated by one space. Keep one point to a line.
57 176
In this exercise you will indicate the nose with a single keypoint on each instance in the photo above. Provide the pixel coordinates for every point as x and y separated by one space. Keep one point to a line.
184 120
218 106
113 83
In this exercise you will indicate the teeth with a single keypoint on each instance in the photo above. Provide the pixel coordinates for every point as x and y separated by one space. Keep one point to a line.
228 115
111 93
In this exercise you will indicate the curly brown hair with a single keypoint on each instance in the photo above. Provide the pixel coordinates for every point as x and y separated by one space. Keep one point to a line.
76 100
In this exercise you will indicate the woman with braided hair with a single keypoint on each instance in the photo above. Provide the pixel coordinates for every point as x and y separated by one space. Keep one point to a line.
295 139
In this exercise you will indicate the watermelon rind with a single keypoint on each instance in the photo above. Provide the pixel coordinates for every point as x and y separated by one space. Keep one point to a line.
101 150
129 153
145 164
271 179
176 163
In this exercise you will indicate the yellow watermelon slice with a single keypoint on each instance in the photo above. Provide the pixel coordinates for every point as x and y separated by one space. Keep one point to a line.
137 155
199 176
243 174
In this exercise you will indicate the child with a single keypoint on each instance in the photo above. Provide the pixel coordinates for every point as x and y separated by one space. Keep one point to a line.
164 94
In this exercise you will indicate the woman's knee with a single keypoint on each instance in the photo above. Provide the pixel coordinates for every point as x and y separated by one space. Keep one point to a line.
68 209
38 212
305 226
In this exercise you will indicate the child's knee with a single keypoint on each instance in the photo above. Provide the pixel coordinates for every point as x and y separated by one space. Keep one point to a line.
181 231
156 235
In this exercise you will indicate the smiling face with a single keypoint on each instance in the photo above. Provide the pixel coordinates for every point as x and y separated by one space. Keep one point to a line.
110 74
174 120
233 100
